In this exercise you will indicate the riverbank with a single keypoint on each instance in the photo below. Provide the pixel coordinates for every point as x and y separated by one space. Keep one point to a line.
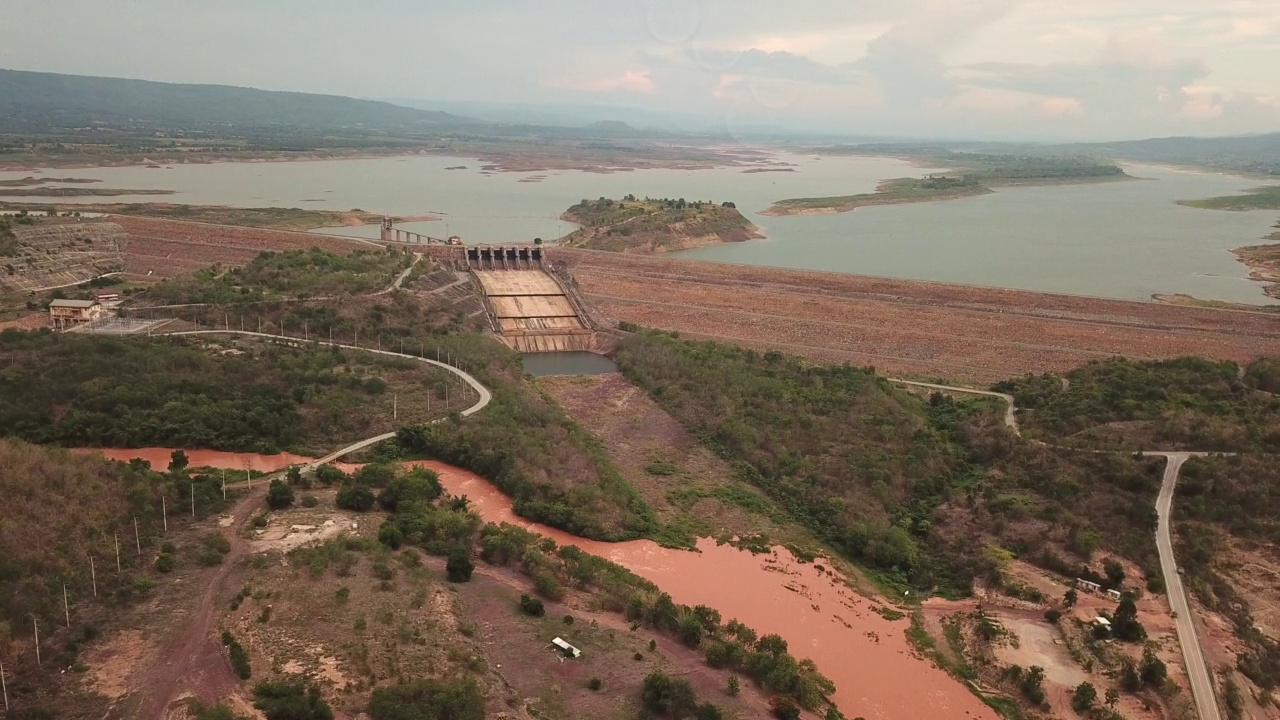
895 191
1264 263
269 218
857 643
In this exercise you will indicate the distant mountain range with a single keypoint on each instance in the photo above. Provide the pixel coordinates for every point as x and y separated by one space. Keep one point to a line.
41 101
53 108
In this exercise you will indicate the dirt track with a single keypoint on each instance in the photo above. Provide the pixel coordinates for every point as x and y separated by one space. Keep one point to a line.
906 327
192 662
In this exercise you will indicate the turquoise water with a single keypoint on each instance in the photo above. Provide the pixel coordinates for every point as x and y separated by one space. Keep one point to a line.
1123 240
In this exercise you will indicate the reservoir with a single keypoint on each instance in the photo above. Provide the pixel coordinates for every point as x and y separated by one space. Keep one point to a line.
567 363
1126 240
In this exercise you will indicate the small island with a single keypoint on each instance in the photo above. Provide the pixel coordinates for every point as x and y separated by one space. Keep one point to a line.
976 174
649 225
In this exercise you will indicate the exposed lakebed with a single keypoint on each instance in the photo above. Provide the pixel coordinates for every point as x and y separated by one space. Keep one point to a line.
877 674
1126 240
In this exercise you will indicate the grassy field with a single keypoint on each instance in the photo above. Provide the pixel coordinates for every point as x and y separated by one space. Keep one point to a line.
889 192
1266 197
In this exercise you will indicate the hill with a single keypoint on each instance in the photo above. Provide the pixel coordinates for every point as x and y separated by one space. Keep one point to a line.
39 102
632 225
1247 153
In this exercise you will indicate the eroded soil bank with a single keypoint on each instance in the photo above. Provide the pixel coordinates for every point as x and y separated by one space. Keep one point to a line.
877 675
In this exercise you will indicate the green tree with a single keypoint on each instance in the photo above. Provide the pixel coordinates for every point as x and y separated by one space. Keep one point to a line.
1032 684
1113 698
735 686
1124 623
1153 669
459 566
178 461
355 497
1084 697
279 495
1114 571
1070 598
665 696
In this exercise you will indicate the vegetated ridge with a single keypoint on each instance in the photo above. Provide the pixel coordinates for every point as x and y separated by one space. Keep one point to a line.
38 253
975 174
650 225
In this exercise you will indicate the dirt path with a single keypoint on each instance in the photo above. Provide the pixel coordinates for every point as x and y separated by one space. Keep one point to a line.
193 662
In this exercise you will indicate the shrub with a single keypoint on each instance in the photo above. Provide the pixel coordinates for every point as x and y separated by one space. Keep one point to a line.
595 684
290 700
568 619
330 475
1084 697
391 535
310 501
532 606
665 696
456 699
735 686
355 497
1052 615
638 656
459 566
239 658
166 563
784 709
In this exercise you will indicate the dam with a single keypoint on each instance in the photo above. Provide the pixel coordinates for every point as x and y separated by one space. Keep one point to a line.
528 306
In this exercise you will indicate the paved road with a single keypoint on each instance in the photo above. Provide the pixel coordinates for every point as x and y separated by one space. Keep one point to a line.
1010 413
1197 671
482 392
1192 654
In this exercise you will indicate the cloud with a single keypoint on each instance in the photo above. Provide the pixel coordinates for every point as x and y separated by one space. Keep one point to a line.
636 81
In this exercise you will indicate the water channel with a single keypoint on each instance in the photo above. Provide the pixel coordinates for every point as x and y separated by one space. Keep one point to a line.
877 674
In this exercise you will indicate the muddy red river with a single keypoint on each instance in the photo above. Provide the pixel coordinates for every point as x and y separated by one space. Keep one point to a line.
877 675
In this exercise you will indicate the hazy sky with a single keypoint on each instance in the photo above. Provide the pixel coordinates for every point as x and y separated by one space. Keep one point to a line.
960 68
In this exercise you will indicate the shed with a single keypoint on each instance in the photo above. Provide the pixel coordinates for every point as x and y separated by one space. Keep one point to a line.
566 649
106 295
1088 585
1114 595
1102 622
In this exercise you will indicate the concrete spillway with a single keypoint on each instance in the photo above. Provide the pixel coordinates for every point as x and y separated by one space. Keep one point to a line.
528 307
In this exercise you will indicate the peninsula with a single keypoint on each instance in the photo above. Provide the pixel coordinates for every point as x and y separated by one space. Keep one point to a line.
974 174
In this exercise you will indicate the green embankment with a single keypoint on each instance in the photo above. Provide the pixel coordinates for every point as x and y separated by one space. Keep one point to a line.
930 493
1266 197
1186 403
974 174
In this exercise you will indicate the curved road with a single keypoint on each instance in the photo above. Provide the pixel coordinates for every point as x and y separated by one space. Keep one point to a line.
1198 674
191 654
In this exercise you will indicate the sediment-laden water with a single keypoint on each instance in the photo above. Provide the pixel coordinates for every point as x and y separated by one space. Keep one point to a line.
877 674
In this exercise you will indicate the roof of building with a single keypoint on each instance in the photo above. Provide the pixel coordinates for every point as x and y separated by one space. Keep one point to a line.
1102 621
81 304
106 292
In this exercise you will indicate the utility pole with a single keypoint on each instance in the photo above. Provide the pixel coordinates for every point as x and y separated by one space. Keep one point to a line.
224 484
306 334
248 476
93 572
395 407
357 342
36 625
330 334
117 539
164 513
5 688
137 537
259 323
66 608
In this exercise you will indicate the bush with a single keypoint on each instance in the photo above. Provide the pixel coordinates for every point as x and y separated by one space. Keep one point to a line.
1084 697
595 684
239 658
456 699
166 563
665 696
568 619
290 700
1052 615
459 566
355 497
330 475
532 606
784 709
279 495
310 501
391 535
